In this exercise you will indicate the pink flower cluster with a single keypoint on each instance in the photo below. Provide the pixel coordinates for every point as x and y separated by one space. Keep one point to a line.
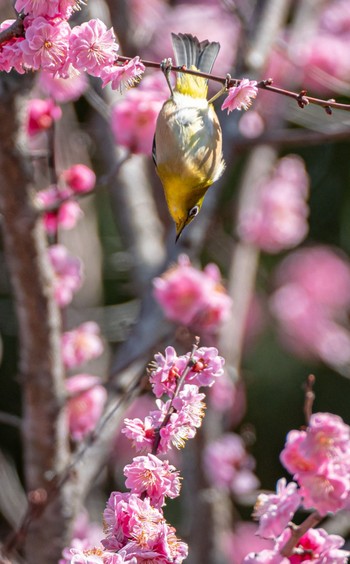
228 466
139 531
176 419
311 304
78 179
50 45
135 527
319 459
193 297
278 220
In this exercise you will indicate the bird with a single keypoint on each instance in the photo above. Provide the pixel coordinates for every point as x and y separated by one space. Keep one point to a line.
187 146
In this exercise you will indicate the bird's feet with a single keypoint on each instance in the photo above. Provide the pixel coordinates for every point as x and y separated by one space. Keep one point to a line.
166 65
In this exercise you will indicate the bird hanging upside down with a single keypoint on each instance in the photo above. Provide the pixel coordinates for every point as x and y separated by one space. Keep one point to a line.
187 148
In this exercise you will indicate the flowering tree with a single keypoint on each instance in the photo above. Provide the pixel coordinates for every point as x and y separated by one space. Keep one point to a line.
95 300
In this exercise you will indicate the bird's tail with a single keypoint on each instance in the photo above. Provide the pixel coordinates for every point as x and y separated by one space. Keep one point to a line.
192 53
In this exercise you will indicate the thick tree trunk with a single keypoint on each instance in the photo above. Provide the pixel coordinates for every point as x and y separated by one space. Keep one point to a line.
45 437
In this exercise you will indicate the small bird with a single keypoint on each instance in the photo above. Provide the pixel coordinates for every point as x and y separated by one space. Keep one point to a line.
187 147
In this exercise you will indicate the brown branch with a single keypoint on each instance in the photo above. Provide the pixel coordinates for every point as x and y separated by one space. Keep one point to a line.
45 436
298 531
188 368
14 30
309 397
301 97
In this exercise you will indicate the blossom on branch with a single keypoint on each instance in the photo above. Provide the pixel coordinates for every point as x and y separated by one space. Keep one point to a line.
92 47
148 475
124 76
46 44
240 97
274 511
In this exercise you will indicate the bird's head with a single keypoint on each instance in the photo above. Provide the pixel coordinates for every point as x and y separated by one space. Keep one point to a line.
185 218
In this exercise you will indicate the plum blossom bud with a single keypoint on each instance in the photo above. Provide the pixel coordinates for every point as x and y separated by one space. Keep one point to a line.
67 274
80 178
66 214
87 398
41 115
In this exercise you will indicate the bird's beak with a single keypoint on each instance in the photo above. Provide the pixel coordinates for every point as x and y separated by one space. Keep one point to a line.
179 229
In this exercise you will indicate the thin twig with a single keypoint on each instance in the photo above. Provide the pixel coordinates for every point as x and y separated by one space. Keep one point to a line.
9 419
191 362
302 99
309 397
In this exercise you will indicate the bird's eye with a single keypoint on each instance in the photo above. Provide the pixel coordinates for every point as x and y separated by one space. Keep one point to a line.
193 211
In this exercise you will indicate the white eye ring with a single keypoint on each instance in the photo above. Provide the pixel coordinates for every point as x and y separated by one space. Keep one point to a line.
193 211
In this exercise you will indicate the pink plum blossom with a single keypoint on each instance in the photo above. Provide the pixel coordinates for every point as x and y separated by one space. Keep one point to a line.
310 304
135 526
124 76
326 490
92 47
67 213
316 546
166 371
81 344
11 55
319 459
240 97
179 427
279 218
49 8
134 117
85 404
80 178
193 297
62 90
67 274
274 511
40 115
46 44
153 477
228 466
